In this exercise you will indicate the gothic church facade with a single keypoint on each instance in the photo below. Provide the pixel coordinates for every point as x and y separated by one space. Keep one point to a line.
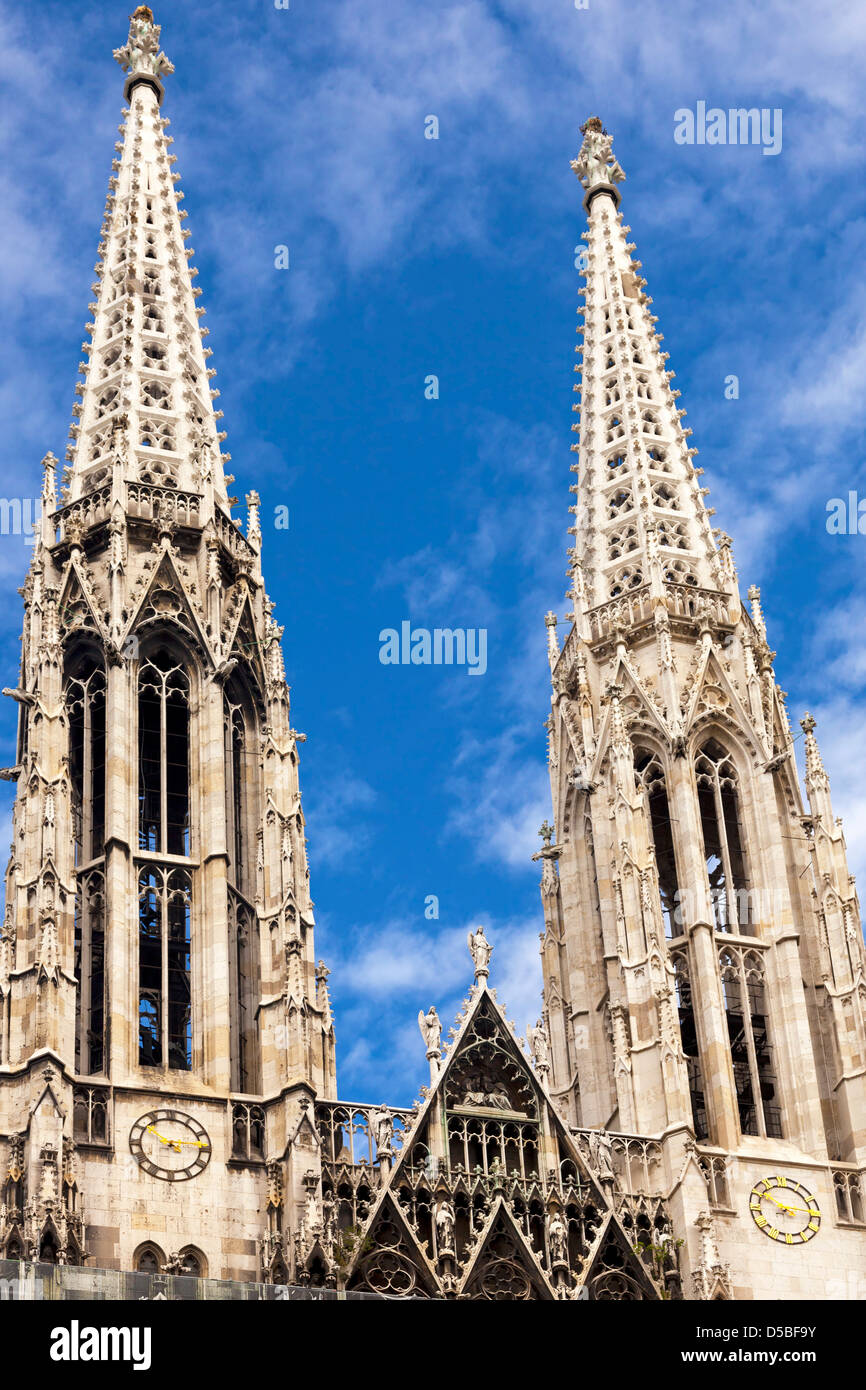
688 1118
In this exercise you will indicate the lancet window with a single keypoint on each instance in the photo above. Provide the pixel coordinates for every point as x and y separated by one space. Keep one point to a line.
719 805
744 989
163 753
650 775
85 708
689 1037
164 975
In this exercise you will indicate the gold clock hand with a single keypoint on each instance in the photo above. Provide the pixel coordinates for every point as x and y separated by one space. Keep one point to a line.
785 1206
175 1144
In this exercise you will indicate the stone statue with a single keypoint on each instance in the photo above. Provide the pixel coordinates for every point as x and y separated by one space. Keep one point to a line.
557 1235
445 1227
539 1046
382 1123
601 1154
480 950
596 164
431 1029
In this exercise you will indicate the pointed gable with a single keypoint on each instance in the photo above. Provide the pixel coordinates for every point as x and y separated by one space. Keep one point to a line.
492 1191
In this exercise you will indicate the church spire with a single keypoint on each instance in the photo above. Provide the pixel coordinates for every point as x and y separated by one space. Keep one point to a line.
145 411
642 528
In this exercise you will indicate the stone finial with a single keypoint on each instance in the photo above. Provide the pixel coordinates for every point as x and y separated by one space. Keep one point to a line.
141 54
552 643
596 166
49 482
754 596
254 526
815 770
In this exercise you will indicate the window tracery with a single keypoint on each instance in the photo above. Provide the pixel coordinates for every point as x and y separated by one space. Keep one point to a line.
165 1001
650 775
743 986
718 801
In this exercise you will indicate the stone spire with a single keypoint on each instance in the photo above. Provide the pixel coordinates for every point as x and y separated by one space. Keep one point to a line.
145 410
642 525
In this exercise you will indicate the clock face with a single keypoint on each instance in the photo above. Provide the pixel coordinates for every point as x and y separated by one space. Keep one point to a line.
785 1210
170 1145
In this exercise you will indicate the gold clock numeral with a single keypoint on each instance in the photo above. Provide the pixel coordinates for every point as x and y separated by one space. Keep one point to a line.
761 1220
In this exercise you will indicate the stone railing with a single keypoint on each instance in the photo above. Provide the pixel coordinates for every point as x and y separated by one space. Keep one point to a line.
636 1162
636 608
92 509
146 501
232 537
348 1132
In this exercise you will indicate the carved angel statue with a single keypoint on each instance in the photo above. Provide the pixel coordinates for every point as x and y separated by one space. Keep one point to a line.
539 1046
601 1154
382 1122
142 53
596 163
480 950
431 1029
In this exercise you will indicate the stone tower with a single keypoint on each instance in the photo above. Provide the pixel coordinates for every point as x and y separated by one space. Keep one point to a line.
163 1023
703 955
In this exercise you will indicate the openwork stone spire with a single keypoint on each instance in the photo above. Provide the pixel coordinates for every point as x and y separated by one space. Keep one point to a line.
642 525
146 400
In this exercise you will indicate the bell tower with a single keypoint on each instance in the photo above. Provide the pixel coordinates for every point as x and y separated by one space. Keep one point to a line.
157 950
703 955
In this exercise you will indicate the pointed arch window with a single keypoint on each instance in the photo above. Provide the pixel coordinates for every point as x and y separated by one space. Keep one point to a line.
689 1037
85 709
238 777
90 1020
744 988
650 775
163 756
164 968
245 994
718 801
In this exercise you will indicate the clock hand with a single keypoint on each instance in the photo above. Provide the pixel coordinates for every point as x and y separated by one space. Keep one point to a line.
785 1206
175 1144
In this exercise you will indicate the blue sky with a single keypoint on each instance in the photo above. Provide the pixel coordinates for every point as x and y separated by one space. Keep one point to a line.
455 257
